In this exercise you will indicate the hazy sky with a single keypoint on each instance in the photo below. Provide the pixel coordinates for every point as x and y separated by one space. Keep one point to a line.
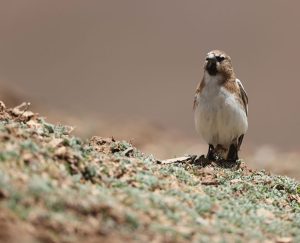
144 58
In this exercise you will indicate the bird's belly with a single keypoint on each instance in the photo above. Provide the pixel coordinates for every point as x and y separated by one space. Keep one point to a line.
220 119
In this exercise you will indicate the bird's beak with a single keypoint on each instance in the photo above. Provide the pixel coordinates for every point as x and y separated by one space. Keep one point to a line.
211 65
211 62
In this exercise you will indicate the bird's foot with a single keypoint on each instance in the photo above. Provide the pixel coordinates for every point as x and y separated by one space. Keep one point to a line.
200 160
225 163
217 160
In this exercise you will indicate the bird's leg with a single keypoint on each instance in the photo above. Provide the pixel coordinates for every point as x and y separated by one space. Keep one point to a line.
211 152
233 151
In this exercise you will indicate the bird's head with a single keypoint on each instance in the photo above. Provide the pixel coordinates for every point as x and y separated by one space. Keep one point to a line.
218 63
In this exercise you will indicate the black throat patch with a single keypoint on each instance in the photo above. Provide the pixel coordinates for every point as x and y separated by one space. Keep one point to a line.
211 67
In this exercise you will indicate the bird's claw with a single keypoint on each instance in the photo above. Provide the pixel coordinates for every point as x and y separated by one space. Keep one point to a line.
200 160
203 161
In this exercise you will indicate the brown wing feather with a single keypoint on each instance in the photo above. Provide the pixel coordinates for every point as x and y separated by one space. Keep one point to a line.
200 86
244 96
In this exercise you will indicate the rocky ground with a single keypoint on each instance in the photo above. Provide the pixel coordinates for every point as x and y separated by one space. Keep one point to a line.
55 187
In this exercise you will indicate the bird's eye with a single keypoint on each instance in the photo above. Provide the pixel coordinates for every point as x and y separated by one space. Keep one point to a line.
220 58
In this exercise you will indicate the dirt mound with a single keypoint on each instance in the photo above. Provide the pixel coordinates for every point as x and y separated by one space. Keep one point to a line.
55 187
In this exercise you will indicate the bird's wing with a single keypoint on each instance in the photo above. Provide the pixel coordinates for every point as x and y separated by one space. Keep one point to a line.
199 88
243 95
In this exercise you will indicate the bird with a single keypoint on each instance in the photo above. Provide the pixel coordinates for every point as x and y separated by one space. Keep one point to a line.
221 108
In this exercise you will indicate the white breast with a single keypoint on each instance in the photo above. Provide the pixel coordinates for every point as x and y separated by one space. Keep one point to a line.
219 117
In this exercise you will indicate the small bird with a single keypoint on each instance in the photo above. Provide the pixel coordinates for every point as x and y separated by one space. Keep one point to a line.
221 108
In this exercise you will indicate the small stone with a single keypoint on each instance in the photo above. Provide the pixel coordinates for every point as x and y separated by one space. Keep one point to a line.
284 240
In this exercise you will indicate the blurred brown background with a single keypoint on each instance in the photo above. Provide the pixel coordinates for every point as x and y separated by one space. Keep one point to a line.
111 62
